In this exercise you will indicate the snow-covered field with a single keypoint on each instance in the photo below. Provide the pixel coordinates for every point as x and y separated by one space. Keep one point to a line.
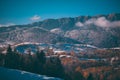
66 47
12 74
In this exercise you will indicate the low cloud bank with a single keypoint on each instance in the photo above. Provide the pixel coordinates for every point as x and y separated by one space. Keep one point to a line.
7 25
101 22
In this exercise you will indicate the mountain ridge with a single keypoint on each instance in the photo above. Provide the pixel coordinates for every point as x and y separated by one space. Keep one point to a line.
99 30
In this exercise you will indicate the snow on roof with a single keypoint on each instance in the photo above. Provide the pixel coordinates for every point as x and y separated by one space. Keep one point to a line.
55 52
116 48
68 56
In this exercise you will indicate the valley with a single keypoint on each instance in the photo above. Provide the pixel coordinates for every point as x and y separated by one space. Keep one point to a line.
78 48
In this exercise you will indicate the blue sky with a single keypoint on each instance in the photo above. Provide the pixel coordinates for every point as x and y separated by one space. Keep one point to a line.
27 11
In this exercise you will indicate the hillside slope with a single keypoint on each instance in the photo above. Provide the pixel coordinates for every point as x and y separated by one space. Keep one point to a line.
11 74
100 30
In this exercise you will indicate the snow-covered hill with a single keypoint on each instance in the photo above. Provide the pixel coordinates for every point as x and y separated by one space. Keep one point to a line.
100 30
11 74
66 47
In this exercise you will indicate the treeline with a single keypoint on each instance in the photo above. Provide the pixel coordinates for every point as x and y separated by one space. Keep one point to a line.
37 63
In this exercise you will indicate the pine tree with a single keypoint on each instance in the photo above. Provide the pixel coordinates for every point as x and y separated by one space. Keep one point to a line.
41 56
41 59
9 49
11 58
8 57
90 77
78 76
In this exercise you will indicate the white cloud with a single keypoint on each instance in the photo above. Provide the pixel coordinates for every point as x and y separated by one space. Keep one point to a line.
101 22
7 25
90 21
116 23
79 24
35 18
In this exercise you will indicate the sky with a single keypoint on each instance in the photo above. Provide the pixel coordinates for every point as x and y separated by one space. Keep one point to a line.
27 11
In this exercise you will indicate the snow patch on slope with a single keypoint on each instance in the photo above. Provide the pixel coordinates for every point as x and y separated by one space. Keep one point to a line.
56 30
